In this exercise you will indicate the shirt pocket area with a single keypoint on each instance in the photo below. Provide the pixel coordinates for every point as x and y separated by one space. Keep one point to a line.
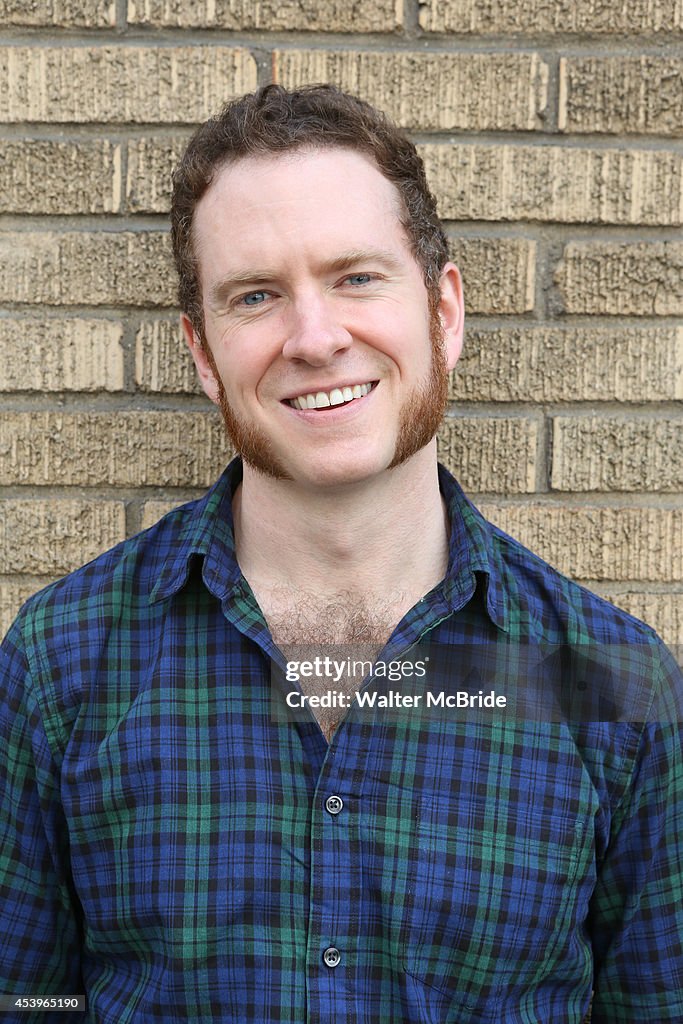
487 906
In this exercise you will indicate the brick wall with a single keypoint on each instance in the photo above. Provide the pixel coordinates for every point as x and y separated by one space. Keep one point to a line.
551 130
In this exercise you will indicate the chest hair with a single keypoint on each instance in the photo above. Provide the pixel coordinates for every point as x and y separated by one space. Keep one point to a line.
347 626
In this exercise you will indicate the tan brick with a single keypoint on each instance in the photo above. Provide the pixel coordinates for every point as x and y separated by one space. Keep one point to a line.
150 165
134 84
83 267
531 364
621 95
429 91
555 183
499 274
152 511
53 537
162 359
617 453
13 593
59 13
550 364
562 17
61 355
42 176
496 455
135 449
597 543
622 279
664 612
482 183
270 15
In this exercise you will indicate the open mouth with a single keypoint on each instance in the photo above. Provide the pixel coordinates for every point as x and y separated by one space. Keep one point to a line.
327 399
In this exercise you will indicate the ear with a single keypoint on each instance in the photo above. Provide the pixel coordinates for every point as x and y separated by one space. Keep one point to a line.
452 312
207 377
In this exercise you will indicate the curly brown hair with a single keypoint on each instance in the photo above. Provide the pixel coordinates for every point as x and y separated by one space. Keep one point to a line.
273 120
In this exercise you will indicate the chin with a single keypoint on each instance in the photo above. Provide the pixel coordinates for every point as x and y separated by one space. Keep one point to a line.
340 473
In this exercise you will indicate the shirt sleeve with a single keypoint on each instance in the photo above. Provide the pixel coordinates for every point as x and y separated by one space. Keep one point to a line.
637 908
39 925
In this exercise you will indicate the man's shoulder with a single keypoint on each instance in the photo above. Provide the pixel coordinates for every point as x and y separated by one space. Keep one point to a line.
555 606
584 640
86 598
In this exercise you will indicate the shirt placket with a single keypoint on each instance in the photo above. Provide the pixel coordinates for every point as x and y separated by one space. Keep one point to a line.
336 883
335 971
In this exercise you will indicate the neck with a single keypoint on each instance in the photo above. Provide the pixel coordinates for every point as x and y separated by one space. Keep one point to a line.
374 539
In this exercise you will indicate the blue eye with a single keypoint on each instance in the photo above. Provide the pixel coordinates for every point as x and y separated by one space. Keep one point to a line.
358 278
254 298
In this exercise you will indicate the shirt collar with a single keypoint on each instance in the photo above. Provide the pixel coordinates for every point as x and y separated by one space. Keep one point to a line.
472 555
206 532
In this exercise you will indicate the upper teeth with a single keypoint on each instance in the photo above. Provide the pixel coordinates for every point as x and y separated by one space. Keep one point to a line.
337 396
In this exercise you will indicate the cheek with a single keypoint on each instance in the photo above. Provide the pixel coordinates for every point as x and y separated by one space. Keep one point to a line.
385 343
252 353
245 378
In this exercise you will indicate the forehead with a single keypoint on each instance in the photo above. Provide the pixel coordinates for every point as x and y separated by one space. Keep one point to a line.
320 197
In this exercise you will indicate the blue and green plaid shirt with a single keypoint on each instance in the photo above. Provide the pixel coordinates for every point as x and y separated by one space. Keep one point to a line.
168 846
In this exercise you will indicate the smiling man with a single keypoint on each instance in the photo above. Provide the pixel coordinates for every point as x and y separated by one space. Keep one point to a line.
318 339
328 356
176 847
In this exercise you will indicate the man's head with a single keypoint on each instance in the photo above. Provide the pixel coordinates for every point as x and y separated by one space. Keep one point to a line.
312 262
274 121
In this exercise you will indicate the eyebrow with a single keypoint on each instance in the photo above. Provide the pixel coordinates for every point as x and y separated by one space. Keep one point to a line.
262 276
356 257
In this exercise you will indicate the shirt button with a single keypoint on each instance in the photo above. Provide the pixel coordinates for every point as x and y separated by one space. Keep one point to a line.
332 956
334 804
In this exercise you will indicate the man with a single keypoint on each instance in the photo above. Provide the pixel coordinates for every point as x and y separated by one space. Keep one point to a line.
187 834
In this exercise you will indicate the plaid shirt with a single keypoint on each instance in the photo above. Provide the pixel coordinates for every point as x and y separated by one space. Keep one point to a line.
168 846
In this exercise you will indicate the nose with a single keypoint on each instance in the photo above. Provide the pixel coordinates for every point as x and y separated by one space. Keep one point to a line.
313 334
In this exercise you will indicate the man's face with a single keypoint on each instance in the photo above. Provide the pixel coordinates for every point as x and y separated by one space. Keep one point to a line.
310 289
